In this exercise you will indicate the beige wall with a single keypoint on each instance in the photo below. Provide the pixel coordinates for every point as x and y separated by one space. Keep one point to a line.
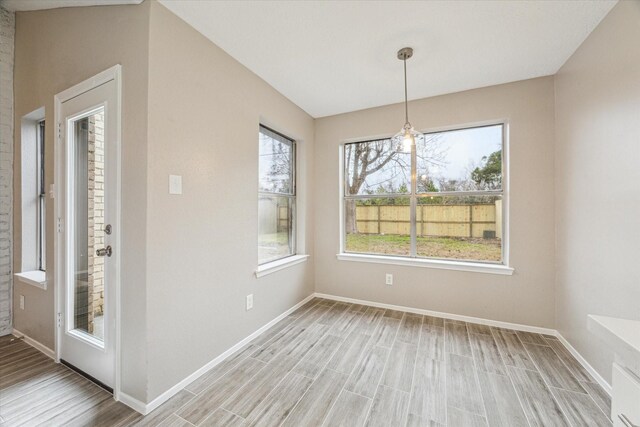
527 297
56 49
204 112
184 276
597 182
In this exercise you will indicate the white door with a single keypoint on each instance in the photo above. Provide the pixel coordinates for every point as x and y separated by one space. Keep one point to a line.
88 229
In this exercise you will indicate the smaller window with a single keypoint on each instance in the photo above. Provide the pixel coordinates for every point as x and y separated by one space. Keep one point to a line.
41 215
276 196
33 203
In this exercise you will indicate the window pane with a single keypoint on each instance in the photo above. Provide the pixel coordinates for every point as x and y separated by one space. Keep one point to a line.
375 167
42 199
41 233
276 163
464 228
275 227
460 160
87 228
378 226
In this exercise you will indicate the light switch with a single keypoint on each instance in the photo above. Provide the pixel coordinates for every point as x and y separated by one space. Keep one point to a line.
175 184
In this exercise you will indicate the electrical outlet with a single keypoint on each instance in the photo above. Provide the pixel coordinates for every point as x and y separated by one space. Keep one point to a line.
389 279
21 302
249 302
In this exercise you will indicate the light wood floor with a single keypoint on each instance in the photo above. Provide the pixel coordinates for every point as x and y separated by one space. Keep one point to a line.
331 364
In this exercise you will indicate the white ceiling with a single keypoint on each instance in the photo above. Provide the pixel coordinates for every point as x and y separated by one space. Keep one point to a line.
331 57
22 5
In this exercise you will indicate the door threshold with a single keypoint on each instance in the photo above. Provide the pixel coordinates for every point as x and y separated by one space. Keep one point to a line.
87 376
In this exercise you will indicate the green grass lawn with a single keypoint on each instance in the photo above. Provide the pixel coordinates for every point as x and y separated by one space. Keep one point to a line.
431 247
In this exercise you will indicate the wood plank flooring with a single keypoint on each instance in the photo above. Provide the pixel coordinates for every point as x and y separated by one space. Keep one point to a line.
336 364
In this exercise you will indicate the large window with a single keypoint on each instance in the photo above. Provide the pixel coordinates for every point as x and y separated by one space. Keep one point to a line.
276 196
442 200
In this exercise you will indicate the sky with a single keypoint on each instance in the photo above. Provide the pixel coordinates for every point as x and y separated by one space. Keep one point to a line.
466 147
462 150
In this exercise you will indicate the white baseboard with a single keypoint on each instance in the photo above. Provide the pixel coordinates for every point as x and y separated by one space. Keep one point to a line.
132 403
604 384
496 323
35 344
144 409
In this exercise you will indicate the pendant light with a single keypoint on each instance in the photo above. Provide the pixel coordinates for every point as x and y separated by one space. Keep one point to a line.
406 138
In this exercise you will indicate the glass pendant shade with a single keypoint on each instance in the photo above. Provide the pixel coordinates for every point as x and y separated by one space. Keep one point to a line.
406 138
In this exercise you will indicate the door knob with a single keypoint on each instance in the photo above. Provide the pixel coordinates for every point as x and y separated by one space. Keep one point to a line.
104 251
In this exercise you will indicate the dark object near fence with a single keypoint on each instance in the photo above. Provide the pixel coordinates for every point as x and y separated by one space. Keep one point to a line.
489 234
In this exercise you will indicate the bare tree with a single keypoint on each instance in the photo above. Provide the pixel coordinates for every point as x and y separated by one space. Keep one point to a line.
277 178
364 160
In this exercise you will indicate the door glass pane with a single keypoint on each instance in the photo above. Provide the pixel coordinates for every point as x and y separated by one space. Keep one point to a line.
88 224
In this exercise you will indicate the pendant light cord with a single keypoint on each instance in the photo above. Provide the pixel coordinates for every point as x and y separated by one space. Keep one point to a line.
406 106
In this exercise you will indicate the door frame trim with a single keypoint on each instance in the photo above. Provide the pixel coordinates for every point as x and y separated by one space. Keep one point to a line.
114 73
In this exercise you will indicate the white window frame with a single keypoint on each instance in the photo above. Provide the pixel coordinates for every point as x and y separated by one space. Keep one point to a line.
294 258
33 205
42 198
502 268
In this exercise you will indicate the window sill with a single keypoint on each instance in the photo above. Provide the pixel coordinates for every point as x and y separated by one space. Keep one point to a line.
35 278
280 264
476 267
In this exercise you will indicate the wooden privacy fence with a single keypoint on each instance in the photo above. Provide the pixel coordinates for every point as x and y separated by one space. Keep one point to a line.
478 221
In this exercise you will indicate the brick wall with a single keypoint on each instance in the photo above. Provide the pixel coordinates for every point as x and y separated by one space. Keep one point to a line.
96 216
7 31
